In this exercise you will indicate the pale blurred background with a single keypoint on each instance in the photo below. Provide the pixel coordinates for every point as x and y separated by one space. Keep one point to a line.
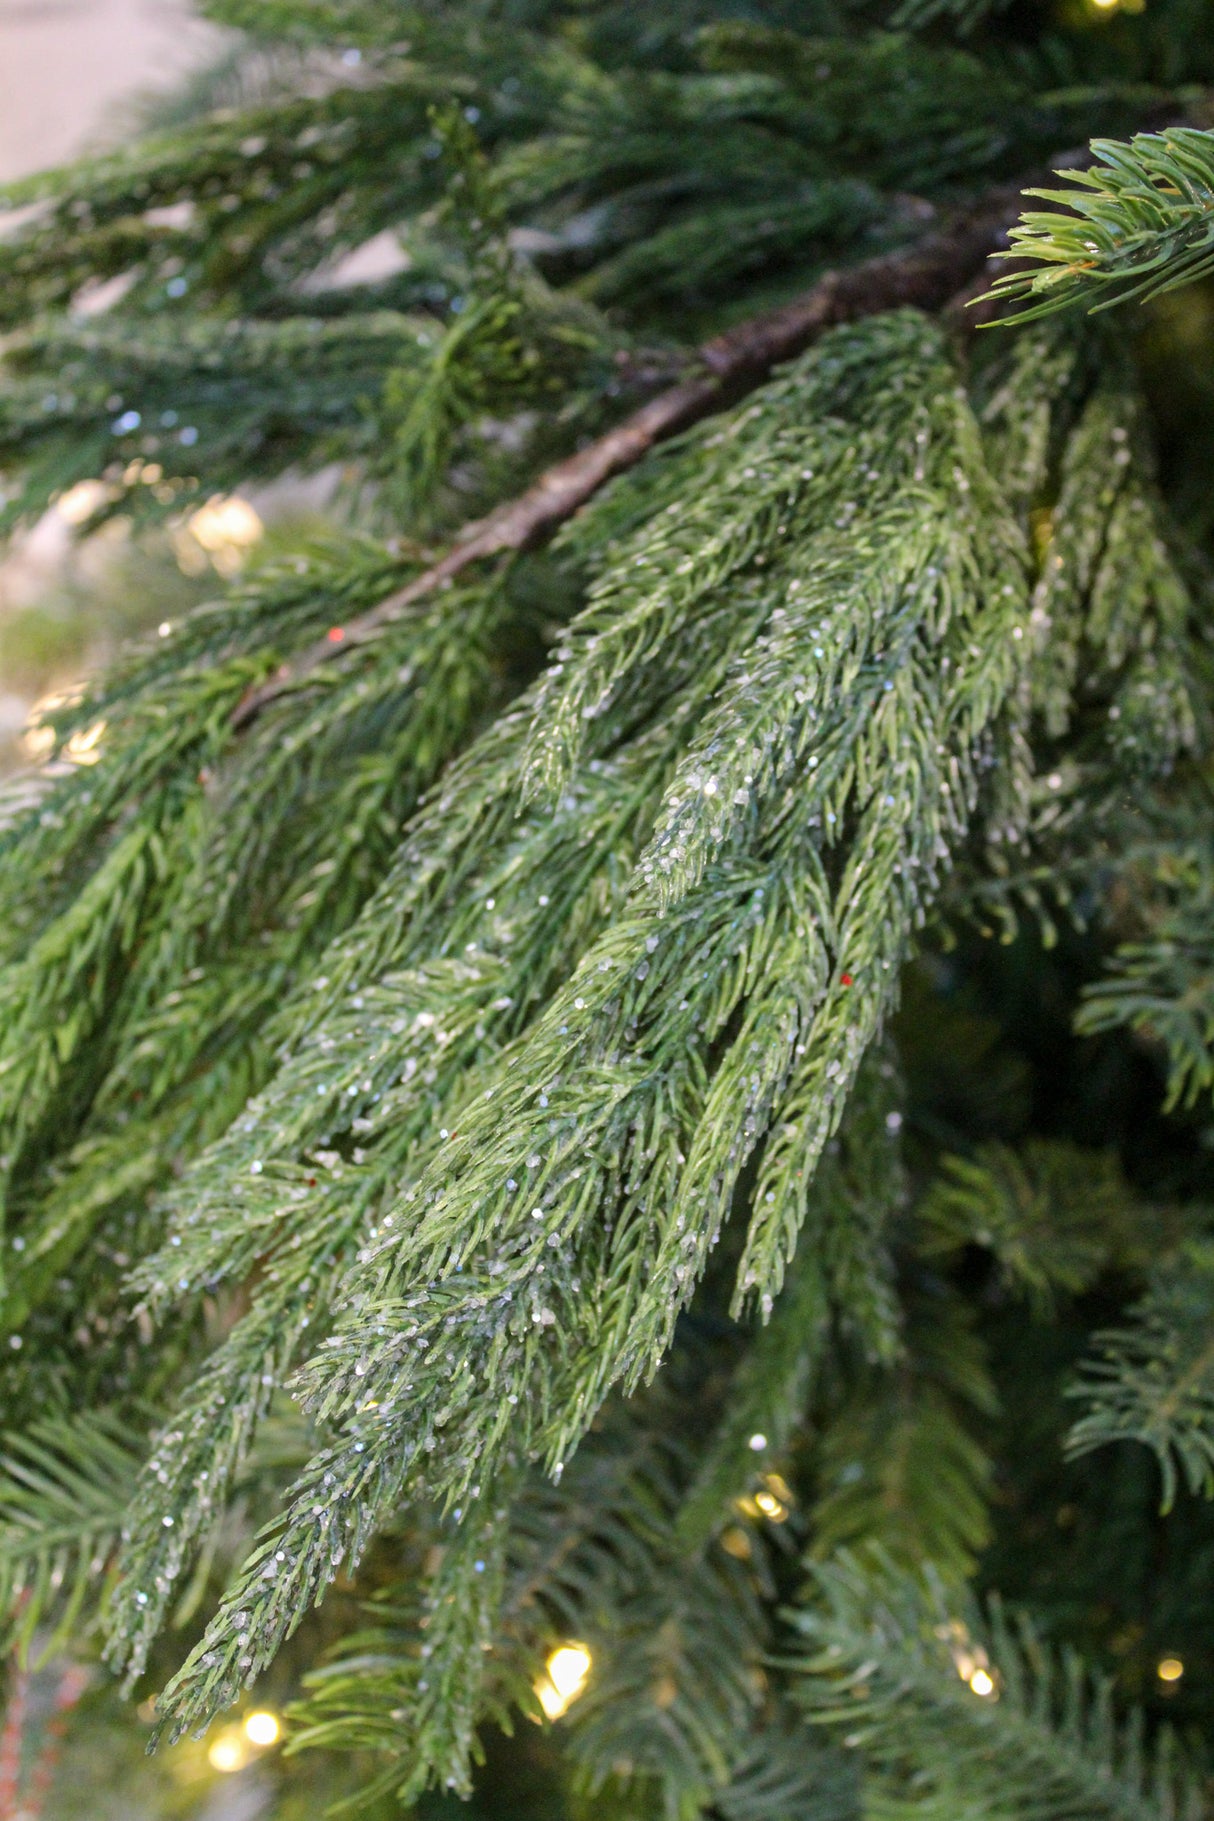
69 69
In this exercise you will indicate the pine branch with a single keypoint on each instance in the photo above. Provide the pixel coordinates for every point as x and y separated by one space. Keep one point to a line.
1153 1380
256 864
64 1487
673 1640
1141 222
973 1718
898 1467
925 275
1159 984
262 397
900 1463
787 1776
931 274
641 1024
964 14
1053 1215
839 1275
53 1002
468 1011
676 1690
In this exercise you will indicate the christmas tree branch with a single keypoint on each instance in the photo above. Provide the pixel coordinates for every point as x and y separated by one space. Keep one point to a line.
1140 221
925 275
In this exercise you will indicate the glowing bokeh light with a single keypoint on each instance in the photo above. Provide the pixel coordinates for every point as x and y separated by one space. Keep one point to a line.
228 1752
261 1728
568 1668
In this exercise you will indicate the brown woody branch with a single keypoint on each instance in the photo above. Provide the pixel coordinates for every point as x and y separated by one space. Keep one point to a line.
926 275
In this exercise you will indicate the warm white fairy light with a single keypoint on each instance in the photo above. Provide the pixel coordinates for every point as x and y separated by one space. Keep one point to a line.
223 522
970 1660
771 1506
261 1728
568 1667
773 1499
229 1751
220 533
84 747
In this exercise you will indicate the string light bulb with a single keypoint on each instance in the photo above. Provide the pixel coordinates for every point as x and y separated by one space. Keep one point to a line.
223 522
229 1752
774 1498
970 1660
568 1668
220 533
84 747
261 1728
1170 1669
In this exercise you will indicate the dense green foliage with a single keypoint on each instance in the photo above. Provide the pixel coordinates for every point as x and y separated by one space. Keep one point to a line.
656 1094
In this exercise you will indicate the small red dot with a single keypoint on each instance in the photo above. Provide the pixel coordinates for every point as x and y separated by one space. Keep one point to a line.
845 979
336 634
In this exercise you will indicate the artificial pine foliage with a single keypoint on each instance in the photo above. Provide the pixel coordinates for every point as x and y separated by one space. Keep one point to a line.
614 1055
